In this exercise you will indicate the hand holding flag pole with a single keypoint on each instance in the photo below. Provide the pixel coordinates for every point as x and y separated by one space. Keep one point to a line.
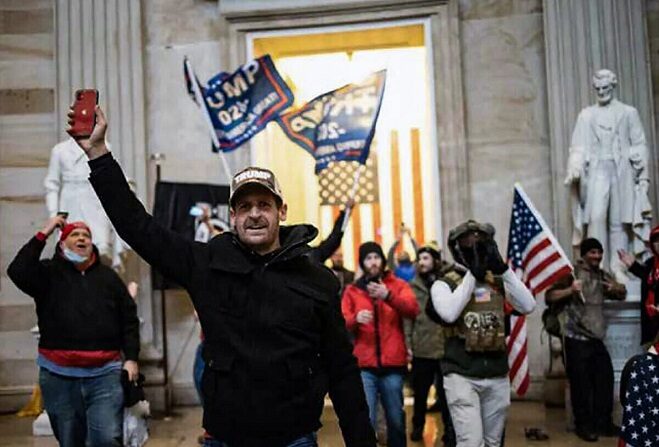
353 193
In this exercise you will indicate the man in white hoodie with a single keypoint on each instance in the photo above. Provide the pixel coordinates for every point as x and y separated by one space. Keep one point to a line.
475 363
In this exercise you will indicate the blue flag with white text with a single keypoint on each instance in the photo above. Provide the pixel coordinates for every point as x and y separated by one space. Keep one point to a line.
239 105
338 125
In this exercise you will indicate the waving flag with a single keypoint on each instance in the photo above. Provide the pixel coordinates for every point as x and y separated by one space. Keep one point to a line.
338 125
537 258
237 106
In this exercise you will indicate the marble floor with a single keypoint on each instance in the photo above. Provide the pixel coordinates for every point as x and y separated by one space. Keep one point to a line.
182 429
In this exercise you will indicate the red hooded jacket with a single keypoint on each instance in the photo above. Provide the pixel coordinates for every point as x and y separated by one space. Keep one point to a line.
380 343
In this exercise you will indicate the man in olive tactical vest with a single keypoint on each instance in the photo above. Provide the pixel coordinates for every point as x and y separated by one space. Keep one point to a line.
475 363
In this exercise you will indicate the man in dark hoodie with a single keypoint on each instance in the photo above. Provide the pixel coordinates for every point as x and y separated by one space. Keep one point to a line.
374 308
87 320
275 342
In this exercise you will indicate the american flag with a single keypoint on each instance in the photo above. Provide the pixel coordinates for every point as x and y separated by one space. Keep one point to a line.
335 182
640 419
537 258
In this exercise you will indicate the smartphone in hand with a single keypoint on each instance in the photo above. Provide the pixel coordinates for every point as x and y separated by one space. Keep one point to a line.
84 114
64 214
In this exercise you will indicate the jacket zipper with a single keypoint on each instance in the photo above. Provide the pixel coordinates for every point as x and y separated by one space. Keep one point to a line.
378 351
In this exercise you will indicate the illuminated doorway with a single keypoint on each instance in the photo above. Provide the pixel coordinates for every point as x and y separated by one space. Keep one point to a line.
314 61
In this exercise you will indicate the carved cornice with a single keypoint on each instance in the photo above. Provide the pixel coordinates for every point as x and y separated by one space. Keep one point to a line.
237 11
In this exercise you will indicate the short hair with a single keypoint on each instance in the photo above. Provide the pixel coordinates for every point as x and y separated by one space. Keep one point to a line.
605 74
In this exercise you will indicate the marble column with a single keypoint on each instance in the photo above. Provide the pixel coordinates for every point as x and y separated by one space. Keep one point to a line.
98 44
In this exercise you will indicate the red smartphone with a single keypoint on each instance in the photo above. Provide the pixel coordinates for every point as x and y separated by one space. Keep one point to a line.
84 113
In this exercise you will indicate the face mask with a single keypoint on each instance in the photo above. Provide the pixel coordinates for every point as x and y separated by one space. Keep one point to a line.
73 256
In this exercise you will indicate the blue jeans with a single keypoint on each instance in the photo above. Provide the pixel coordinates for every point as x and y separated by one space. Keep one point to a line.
84 411
198 371
305 441
389 388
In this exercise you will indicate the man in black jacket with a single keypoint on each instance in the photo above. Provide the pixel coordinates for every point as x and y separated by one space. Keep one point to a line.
87 320
275 340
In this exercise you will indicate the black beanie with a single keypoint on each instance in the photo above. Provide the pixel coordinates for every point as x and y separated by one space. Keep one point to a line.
589 244
370 247
431 251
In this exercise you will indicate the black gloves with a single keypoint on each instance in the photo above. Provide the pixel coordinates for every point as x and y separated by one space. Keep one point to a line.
480 258
495 263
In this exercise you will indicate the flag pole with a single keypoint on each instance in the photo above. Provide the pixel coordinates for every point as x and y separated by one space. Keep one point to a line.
225 166
355 185
207 118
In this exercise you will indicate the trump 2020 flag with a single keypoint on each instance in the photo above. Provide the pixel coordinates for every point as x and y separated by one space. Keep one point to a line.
536 257
338 125
237 106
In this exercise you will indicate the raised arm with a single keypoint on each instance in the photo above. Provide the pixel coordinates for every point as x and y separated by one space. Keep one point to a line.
164 249
633 266
328 246
391 255
27 271
448 303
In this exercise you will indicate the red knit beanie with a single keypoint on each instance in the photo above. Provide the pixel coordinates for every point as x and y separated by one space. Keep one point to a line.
68 228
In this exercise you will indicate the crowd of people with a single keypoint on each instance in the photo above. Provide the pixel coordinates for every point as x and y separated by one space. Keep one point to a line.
280 332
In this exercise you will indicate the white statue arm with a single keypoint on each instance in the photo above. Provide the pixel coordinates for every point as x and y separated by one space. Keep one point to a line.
53 183
578 144
638 150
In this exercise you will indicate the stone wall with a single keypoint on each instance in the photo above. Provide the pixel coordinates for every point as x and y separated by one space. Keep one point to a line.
653 36
27 133
174 29
174 127
507 123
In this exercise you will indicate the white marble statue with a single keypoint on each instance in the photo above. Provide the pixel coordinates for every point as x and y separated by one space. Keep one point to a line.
68 189
609 176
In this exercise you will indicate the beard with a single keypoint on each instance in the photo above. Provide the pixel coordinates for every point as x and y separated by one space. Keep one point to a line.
374 272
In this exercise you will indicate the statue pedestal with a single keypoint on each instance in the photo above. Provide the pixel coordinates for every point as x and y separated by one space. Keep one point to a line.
623 340
633 290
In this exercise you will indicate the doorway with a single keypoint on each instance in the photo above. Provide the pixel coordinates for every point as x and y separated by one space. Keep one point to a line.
404 149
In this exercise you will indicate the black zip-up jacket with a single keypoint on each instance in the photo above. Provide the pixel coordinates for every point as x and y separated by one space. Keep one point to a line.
649 325
275 339
76 310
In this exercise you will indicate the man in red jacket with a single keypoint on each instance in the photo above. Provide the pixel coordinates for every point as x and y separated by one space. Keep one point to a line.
374 308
